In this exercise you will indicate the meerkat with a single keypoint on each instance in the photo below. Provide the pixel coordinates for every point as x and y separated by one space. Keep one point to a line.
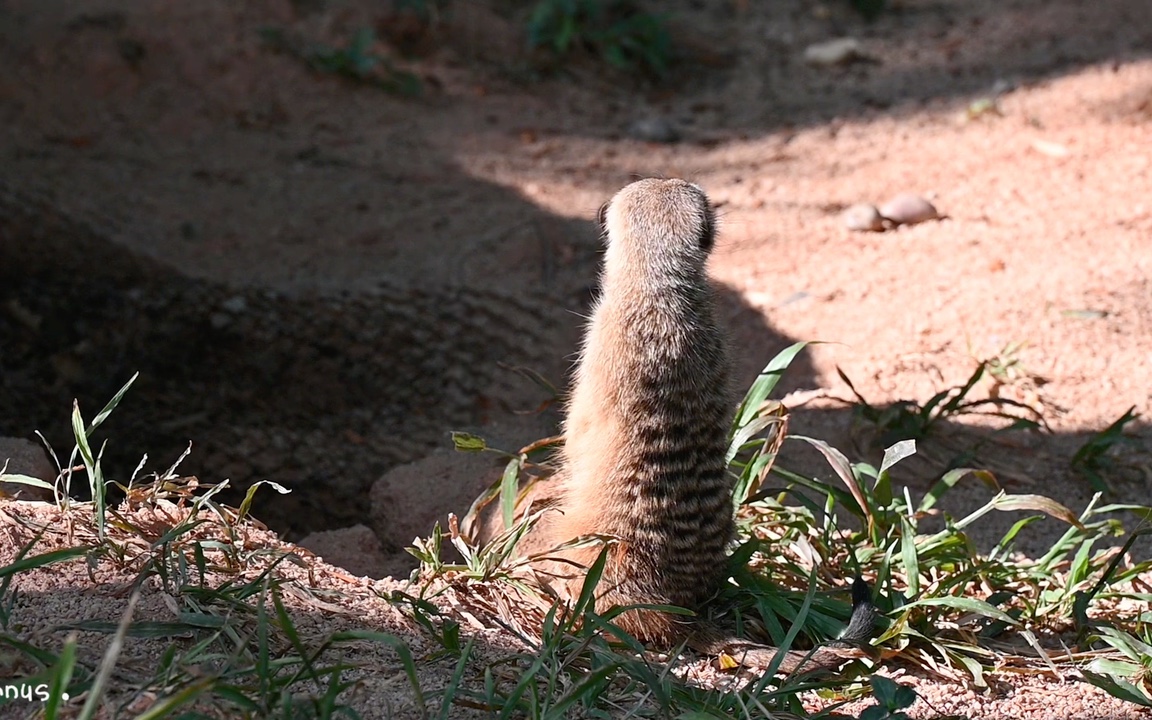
646 429
646 432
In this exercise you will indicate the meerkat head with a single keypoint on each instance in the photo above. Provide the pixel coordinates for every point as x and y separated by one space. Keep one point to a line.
659 223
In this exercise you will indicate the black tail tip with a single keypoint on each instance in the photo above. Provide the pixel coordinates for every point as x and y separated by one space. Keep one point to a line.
861 592
863 621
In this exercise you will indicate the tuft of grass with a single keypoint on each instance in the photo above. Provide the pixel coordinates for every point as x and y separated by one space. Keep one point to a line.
234 648
1005 366
357 60
1092 461
95 473
619 32
1127 675
905 420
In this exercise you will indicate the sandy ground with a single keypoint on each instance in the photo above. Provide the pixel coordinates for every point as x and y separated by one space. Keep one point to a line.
319 279
321 600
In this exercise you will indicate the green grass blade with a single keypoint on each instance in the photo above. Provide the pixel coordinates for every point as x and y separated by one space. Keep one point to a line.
1043 504
949 480
18 479
591 580
970 605
765 383
527 678
246 505
951 406
896 453
1118 687
289 629
844 470
165 706
588 688
508 486
43 657
103 414
148 629
453 685
43 560
909 557
467 442
61 676
95 483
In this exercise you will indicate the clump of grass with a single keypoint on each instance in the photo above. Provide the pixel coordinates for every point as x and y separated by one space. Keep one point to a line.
1127 672
619 32
1092 460
357 60
235 650
907 420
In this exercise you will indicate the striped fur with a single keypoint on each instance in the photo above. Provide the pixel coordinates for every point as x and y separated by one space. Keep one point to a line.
649 412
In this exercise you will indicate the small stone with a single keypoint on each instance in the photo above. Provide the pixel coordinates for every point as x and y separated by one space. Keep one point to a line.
908 209
235 304
840 51
863 217
654 129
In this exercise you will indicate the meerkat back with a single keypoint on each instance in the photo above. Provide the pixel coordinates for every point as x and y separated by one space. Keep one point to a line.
646 430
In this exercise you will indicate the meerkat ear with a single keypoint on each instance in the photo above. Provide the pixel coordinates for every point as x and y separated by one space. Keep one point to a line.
602 218
708 230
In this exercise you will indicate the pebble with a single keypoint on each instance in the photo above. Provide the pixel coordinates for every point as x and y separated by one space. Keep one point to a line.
654 129
863 217
235 304
840 51
908 209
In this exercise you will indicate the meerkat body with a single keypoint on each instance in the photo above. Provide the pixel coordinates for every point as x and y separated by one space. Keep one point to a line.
647 422
645 438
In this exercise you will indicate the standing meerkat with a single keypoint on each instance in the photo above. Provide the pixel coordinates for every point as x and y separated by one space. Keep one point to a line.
650 405
646 433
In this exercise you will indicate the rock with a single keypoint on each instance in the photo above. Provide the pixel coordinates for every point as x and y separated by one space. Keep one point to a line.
408 500
863 217
654 129
25 458
908 209
840 51
358 550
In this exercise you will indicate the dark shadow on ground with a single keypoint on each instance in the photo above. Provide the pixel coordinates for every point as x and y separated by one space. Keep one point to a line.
321 394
